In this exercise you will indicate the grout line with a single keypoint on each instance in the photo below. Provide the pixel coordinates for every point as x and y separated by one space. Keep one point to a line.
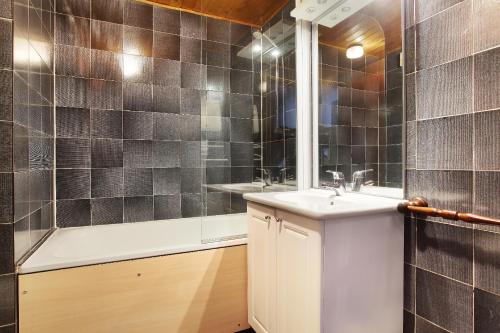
431 322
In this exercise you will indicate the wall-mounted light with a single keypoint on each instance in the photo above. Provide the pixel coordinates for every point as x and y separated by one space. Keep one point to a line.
354 51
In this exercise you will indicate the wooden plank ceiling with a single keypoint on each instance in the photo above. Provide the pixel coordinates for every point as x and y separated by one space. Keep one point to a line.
249 12
377 27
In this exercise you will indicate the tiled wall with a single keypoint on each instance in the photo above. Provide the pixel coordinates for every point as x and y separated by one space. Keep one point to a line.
151 103
452 269
279 101
26 138
351 113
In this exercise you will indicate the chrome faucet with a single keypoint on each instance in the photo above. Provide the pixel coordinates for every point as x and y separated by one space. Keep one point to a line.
283 175
266 176
338 184
358 177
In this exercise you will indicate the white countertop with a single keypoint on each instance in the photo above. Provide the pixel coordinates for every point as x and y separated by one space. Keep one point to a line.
316 204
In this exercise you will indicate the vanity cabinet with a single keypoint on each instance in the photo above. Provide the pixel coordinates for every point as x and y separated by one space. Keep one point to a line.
336 276
284 258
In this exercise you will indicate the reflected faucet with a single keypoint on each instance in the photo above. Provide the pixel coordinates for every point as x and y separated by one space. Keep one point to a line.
338 184
266 176
358 177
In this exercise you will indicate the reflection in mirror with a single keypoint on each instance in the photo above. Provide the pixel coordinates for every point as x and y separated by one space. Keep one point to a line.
360 109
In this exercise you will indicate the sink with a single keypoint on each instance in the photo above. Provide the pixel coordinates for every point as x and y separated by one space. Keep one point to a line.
324 204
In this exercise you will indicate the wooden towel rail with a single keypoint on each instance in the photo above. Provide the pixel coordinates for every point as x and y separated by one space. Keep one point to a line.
419 205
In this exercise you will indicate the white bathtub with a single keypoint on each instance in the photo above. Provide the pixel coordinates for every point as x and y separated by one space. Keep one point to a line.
81 246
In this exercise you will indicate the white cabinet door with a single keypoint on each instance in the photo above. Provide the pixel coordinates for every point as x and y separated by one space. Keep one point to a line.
299 252
261 268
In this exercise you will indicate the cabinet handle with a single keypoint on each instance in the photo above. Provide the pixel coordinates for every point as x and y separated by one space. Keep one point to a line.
268 218
279 219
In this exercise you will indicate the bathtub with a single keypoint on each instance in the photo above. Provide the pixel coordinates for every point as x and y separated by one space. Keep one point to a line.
80 246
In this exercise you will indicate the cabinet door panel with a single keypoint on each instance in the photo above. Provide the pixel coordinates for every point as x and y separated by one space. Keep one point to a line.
298 274
262 269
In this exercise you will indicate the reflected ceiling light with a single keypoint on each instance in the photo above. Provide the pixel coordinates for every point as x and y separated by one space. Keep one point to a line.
257 48
131 66
276 53
355 51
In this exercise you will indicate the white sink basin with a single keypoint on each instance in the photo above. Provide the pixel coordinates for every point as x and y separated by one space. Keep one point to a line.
324 204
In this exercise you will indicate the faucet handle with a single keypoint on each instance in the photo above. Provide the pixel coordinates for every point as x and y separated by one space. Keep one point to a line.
336 175
361 173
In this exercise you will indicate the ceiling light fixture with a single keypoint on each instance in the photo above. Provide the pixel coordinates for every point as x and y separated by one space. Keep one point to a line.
257 48
355 51
276 53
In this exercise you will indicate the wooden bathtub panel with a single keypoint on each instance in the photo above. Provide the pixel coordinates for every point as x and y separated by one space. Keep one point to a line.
203 291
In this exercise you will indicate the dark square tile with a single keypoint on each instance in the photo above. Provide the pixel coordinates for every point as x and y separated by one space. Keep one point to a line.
73 7
166 154
191 205
106 124
7 248
409 288
137 41
242 106
241 82
240 34
191 180
106 65
166 126
218 30
445 189
451 142
166 46
216 54
425 326
166 73
73 183
191 25
218 79
487 140
107 36
167 207
239 61
72 92
166 20
8 290
73 213
190 127
217 104
191 101
137 97
241 174
138 14
9 88
218 175
21 148
410 54
238 204
7 198
137 154
166 99
216 128
137 125
218 203
425 9
241 130
21 195
138 209
486 35
411 145
21 238
486 312
36 232
41 153
137 69
190 154
487 80
72 122
109 10
107 211
193 76
73 153
242 154
486 197
107 182
445 90
166 181
71 30
72 61
6 141
486 268
138 182
445 249
190 50
444 37
107 153
105 95
6 9
445 302
410 234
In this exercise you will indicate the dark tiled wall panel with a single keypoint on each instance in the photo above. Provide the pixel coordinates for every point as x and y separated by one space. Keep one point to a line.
453 159
145 98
